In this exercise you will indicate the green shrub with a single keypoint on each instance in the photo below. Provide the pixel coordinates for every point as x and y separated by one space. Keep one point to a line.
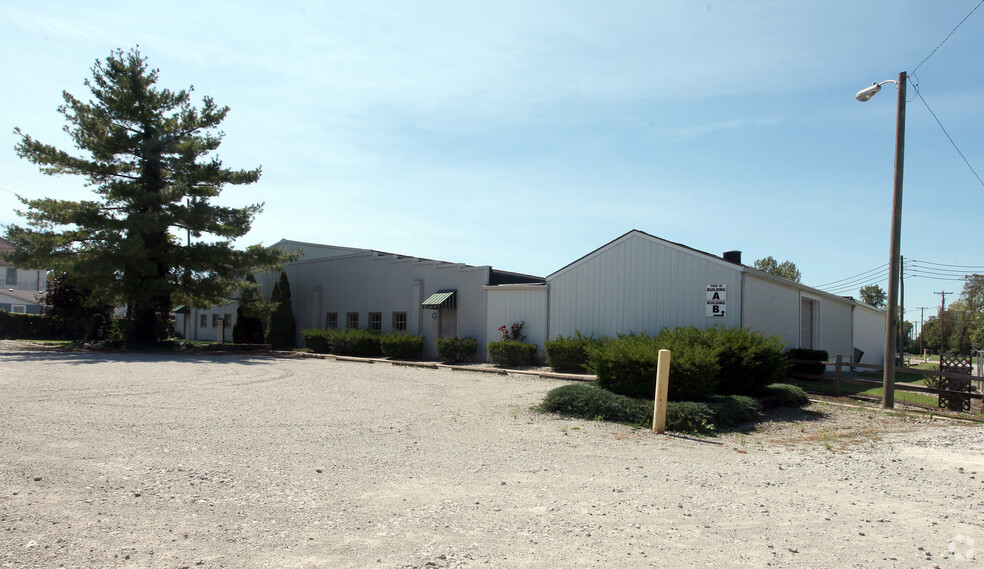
689 417
627 365
586 401
362 343
733 410
455 349
39 327
511 353
749 360
570 354
806 354
401 345
786 395
318 341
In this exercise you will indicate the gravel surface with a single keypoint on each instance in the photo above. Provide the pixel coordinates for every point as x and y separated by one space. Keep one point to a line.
160 461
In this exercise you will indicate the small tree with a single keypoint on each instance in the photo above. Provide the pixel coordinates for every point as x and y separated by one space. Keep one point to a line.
873 295
282 330
249 325
785 269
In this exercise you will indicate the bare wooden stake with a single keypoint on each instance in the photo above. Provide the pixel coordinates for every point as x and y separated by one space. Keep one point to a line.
662 388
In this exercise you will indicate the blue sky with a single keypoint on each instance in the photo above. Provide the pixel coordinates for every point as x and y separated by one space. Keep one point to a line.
526 134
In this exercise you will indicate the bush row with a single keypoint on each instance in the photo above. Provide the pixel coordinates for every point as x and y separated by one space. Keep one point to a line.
587 401
570 354
364 343
39 327
704 362
806 354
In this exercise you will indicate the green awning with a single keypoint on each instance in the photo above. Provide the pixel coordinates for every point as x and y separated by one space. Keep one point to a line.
441 299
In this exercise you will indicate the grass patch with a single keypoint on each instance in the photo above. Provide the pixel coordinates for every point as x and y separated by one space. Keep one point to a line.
873 391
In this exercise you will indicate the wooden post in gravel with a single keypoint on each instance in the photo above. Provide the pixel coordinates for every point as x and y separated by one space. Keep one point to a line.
838 367
662 388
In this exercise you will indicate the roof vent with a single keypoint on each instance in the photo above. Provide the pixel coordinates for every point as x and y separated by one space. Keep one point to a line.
732 257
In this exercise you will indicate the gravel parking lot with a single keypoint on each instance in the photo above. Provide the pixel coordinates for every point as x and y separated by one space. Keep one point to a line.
160 461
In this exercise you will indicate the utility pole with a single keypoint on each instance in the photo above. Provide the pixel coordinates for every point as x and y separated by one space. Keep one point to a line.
901 343
922 315
942 313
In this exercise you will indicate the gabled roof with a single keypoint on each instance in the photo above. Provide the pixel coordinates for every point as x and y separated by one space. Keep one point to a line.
637 233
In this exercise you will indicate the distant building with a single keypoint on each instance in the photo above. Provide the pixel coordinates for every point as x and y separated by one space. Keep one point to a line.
20 288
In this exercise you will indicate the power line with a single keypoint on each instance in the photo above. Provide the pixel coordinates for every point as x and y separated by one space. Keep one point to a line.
981 267
852 277
948 36
915 87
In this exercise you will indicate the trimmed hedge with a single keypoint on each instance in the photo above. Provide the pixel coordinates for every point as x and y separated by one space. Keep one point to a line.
402 345
571 354
511 353
627 366
39 327
806 354
362 343
455 349
786 395
587 401
749 360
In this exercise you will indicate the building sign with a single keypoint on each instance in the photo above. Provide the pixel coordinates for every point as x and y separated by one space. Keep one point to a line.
717 300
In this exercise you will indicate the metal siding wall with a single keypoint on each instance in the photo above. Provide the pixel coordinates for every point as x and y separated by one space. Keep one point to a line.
367 283
835 328
772 309
507 304
639 285
869 334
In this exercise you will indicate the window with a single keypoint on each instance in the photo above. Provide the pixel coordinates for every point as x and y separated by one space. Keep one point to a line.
203 321
18 308
352 320
376 321
11 277
399 321
227 320
215 321
331 320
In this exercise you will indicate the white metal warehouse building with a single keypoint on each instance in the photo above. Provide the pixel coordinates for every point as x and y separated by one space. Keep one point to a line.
636 283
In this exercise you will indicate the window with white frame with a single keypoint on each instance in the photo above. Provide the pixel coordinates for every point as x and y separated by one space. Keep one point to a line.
399 321
18 308
11 276
331 320
215 320
203 321
376 321
352 320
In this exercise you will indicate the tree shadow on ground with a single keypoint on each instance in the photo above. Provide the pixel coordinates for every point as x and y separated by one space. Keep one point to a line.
79 357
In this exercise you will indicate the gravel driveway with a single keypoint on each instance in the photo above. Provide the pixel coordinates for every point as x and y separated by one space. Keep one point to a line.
158 461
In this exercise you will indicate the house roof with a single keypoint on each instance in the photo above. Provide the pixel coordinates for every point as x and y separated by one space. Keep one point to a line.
16 296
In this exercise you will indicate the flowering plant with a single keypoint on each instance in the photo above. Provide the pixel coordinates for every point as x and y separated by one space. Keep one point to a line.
513 332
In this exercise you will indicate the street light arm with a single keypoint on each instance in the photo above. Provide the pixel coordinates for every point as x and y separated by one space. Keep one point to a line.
865 94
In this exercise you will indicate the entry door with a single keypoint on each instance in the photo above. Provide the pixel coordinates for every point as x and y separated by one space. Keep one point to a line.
447 322
806 324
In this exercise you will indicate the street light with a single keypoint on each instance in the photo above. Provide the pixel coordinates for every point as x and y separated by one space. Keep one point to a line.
891 330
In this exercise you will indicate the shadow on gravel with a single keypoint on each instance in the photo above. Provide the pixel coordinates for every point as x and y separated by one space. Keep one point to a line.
82 358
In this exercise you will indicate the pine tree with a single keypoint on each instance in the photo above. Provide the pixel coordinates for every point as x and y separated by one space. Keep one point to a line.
282 330
148 154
